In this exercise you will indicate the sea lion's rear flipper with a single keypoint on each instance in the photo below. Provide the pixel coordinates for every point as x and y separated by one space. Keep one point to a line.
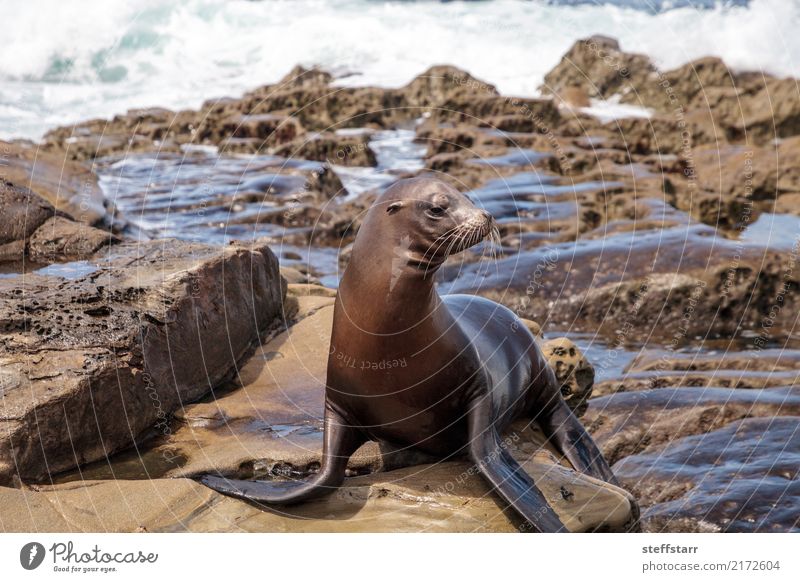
340 441
567 434
505 475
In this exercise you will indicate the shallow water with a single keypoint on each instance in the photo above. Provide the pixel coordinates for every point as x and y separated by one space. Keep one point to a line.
203 196
395 150
69 270
518 157
192 196
777 231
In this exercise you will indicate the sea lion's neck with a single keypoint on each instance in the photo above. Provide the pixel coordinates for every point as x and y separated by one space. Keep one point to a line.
388 292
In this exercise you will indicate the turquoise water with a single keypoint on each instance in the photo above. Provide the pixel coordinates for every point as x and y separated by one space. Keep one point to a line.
64 61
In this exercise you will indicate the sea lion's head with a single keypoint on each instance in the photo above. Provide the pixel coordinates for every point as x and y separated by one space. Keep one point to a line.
424 220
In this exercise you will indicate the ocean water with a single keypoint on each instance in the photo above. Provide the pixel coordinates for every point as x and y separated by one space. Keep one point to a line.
66 60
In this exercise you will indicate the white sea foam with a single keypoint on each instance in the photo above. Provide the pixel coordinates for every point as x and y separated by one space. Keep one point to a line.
63 61
610 109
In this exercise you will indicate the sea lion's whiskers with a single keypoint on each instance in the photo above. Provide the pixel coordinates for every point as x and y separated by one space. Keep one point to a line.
486 250
455 238
427 258
447 233
450 237
440 241
471 231
494 237
460 234
443 238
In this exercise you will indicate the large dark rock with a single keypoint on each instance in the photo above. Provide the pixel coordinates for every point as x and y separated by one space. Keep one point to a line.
22 212
599 67
94 354
31 228
68 186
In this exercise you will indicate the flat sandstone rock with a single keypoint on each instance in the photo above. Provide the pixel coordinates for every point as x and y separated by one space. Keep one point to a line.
444 497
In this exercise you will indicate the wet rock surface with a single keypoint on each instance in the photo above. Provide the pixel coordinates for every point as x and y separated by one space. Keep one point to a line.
708 483
701 457
629 423
425 498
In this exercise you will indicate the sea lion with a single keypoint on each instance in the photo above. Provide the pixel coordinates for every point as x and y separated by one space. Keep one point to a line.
467 366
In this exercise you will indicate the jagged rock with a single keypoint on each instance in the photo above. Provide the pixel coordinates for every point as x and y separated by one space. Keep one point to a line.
240 133
540 115
341 150
729 186
597 66
442 139
700 84
764 108
740 478
573 371
271 128
443 83
300 76
716 103
630 423
750 172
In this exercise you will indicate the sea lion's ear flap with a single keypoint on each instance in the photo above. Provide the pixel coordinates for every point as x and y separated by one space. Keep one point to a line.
394 207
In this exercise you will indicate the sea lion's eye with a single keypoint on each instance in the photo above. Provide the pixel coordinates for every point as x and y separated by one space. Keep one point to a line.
436 211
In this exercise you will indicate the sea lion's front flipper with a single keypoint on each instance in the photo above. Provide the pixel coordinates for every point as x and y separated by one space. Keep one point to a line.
567 434
340 441
505 475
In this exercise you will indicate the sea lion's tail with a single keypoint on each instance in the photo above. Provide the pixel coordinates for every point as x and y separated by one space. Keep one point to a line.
340 441
275 492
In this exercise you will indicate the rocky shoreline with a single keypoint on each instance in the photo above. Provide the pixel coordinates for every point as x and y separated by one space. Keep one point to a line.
131 362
